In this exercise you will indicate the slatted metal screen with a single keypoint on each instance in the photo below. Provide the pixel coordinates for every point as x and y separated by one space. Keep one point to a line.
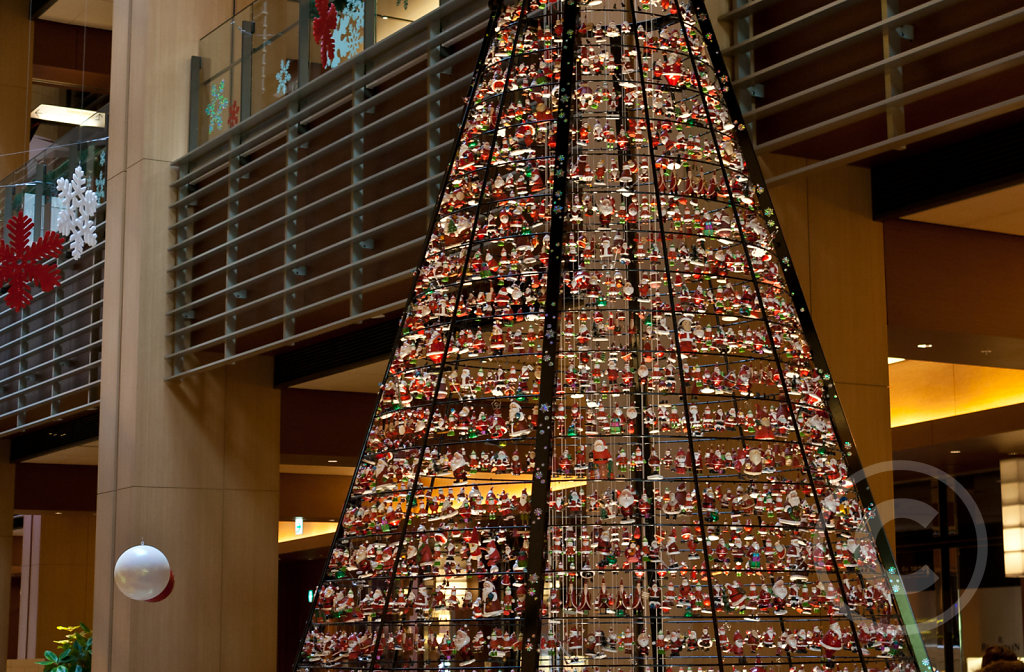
50 351
310 215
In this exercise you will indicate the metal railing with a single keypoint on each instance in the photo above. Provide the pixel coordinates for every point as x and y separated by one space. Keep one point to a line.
50 351
852 79
309 215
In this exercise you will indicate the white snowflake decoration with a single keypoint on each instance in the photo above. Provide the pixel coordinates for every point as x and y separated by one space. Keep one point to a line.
75 219
283 77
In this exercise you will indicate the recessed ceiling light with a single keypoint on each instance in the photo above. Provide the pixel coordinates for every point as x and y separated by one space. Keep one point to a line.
332 461
954 452
986 351
69 115
924 346
895 360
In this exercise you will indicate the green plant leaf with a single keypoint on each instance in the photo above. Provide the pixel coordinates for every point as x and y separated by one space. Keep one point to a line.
50 656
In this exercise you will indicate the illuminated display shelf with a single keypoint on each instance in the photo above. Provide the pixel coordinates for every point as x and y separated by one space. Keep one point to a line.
607 438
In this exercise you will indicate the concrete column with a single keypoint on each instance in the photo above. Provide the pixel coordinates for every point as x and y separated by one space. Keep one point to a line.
15 78
56 577
6 546
190 466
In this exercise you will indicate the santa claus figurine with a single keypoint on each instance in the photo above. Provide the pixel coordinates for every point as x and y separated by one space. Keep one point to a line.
602 456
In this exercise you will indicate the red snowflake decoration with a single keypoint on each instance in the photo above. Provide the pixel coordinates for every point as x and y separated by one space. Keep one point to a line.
323 30
233 114
23 263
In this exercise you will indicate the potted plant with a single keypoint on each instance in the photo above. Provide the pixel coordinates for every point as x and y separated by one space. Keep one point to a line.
74 652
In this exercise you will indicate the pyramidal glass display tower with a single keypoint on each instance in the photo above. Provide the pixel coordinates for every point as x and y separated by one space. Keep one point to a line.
607 439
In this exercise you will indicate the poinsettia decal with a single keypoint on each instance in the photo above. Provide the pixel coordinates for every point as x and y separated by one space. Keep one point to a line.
23 261
323 30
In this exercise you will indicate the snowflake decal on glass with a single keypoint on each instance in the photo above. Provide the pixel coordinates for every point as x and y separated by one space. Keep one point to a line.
215 108
23 262
101 176
233 113
348 35
78 207
283 77
323 30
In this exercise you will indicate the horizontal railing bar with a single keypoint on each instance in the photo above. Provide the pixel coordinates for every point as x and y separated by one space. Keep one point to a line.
979 30
369 233
269 347
255 123
313 157
747 9
92 405
932 88
903 139
49 345
314 133
800 60
305 284
788 27
299 212
322 303
49 380
375 177
64 318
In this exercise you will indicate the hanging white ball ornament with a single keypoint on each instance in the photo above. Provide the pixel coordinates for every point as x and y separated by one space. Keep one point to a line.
143 573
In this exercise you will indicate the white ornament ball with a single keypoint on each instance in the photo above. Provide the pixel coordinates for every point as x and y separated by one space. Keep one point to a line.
143 573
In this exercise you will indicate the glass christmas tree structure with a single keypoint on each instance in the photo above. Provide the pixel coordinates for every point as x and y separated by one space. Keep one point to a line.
607 439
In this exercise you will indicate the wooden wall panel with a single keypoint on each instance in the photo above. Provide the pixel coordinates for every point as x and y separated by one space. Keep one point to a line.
6 546
839 255
15 54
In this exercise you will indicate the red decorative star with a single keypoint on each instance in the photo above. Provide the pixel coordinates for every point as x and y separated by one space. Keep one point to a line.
323 30
23 263
233 113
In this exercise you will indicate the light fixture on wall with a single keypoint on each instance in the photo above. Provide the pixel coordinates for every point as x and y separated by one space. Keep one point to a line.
1011 477
69 115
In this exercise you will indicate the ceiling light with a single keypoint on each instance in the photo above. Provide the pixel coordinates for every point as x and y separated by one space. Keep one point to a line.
332 461
954 452
70 115
895 360
924 346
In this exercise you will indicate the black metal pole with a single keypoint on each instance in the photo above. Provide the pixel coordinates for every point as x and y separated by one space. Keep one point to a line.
543 450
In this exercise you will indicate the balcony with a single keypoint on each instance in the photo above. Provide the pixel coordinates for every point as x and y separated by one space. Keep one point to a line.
50 351
289 223
847 81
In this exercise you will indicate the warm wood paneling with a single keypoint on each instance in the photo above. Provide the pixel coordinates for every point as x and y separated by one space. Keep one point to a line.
839 255
15 53
6 546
